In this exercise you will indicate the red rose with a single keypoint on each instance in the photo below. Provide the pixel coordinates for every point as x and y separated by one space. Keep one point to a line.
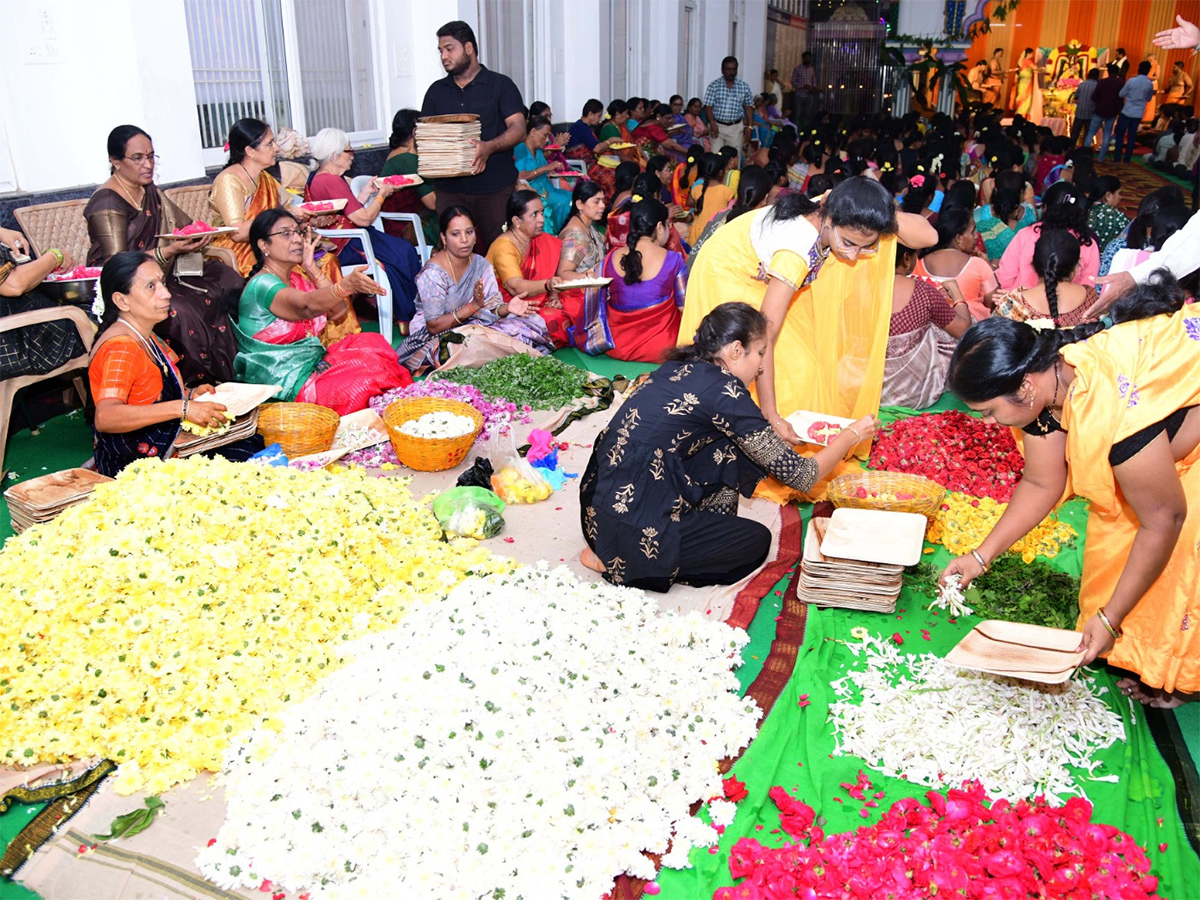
735 791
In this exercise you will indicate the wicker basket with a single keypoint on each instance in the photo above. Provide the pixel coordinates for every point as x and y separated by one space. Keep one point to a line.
299 428
430 454
922 495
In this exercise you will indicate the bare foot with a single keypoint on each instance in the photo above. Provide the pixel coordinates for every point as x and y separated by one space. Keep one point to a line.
591 560
1156 697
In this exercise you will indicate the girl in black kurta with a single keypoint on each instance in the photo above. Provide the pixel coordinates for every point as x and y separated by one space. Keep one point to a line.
659 496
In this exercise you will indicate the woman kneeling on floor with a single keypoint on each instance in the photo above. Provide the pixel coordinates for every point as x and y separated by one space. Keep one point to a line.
659 498
141 402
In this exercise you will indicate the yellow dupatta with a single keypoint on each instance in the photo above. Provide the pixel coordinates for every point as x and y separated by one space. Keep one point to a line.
1127 378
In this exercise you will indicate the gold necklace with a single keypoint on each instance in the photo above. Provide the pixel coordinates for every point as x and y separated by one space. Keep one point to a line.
129 195
1049 410
450 262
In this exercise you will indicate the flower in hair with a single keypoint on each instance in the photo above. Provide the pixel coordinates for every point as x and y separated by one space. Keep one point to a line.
1070 198
1041 323
887 167
935 165
98 306
225 146
637 198
917 181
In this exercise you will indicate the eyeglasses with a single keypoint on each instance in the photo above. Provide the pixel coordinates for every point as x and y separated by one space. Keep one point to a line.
844 246
140 158
349 150
288 233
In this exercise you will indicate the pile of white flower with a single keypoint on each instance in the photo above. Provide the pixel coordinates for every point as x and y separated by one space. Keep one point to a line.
527 737
438 425
935 724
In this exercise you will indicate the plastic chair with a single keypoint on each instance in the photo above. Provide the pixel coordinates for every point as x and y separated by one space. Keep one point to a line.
359 182
10 386
578 165
374 269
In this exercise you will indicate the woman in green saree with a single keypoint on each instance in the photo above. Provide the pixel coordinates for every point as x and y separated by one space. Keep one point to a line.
282 314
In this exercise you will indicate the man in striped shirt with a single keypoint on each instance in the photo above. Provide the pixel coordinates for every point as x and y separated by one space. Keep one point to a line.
729 105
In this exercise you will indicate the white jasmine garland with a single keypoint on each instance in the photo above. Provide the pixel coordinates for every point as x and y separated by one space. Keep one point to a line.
438 425
530 734
1016 737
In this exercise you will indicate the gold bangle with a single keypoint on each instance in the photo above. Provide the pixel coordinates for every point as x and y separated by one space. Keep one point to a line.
979 559
1115 630
854 431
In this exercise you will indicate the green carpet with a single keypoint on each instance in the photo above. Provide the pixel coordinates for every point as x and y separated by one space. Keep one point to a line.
795 749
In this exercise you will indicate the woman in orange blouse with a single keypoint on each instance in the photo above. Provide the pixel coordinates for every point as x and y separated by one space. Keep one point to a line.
140 399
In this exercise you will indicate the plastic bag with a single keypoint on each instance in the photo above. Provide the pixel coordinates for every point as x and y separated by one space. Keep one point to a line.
472 512
515 480
479 475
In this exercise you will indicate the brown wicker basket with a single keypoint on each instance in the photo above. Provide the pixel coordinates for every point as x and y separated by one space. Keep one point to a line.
884 490
299 428
429 454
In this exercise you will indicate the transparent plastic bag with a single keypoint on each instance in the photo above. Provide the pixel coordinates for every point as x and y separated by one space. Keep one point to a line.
515 480
472 512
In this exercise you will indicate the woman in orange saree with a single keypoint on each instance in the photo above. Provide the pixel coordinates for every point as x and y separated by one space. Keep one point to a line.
526 262
1109 414
244 188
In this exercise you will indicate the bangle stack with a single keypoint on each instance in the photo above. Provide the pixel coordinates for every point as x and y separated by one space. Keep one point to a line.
57 254
183 415
339 292
979 559
1115 630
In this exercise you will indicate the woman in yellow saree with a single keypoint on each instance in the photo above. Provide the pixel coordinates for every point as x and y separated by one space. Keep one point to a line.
828 333
244 188
1109 414
1028 98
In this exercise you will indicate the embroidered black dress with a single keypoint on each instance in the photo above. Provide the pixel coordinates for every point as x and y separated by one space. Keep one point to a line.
659 497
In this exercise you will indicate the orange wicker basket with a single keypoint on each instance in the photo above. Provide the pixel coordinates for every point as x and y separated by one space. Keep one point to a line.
895 491
299 428
430 454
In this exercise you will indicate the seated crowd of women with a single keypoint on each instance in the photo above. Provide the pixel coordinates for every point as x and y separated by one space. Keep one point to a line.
631 270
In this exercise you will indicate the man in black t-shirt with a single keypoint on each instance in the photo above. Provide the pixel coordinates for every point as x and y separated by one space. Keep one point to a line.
471 88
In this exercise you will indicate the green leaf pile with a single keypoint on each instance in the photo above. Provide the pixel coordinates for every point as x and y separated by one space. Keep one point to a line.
540 382
1014 591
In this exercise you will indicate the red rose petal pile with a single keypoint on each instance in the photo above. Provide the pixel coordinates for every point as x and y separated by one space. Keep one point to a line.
398 180
962 844
959 452
194 228
318 206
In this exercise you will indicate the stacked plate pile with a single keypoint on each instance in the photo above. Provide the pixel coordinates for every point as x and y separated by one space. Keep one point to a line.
855 559
444 148
243 426
41 499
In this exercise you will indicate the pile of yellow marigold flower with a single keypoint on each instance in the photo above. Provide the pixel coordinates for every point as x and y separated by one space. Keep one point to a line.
963 521
190 599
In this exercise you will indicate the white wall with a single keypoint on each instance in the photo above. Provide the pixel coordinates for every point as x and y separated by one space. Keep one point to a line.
82 68
408 47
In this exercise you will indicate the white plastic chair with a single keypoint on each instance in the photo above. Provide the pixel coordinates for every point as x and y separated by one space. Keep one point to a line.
578 165
374 269
358 182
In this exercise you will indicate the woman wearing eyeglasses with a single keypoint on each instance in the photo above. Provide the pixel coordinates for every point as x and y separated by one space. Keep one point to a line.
128 212
334 156
829 333
285 308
